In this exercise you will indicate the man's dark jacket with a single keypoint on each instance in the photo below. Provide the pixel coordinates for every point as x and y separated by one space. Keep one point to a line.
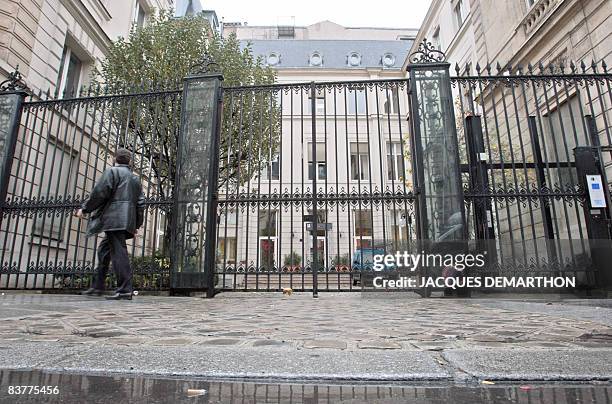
116 202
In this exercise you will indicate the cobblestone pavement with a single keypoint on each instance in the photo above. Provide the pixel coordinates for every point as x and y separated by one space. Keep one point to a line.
347 322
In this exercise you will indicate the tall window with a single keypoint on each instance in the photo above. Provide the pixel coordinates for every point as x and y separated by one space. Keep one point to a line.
360 169
356 100
267 223
140 14
227 250
69 74
363 229
271 170
267 239
319 103
395 166
435 40
392 102
57 181
459 12
321 166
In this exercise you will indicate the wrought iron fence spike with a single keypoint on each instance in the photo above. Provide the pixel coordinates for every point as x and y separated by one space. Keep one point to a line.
498 67
583 66
478 68
572 66
457 68
530 68
604 66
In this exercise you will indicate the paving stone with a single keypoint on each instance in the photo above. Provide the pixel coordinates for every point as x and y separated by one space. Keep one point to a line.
105 333
173 341
324 343
269 343
221 341
378 344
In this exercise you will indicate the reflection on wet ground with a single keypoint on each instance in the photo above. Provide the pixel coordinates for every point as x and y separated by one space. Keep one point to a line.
75 388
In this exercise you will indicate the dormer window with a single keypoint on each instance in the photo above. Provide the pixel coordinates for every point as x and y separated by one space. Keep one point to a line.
354 59
316 59
388 60
273 59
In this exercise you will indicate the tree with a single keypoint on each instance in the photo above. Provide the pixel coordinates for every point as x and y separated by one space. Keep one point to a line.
157 57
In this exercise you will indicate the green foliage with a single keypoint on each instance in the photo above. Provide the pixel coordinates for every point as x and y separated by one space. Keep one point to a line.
159 55
341 260
293 259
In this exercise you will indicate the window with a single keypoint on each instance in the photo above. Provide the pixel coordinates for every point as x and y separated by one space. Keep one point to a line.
321 167
388 60
271 171
267 238
392 101
267 223
395 163
57 182
228 218
273 59
354 59
360 169
356 101
319 103
530 3
363 229
459 11
398 226
316 59
69 74
435 40
140 15
227 249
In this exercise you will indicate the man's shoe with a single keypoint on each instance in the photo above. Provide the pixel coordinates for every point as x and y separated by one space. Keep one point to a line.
92 292
119 296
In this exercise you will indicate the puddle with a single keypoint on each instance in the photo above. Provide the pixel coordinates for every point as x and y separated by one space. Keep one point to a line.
76 388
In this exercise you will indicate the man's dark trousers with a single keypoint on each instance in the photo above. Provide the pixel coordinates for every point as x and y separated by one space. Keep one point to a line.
113 248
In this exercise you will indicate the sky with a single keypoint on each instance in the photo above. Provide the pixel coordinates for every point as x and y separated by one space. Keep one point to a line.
356 13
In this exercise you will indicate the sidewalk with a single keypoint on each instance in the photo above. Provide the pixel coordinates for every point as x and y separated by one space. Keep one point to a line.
336 337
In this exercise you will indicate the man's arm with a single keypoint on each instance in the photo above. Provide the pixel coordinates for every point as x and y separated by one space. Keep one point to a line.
100 194
140 205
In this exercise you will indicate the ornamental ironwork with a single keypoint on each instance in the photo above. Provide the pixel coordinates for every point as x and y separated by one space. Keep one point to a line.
427 53
14 82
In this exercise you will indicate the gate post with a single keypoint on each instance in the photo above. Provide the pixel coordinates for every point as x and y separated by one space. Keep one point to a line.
437 172
596 211
12 95
195 192
479 181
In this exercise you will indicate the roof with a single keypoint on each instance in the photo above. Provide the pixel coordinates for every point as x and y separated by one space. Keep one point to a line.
296 53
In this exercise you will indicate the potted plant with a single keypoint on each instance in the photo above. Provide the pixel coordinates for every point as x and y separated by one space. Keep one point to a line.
341 263
292 262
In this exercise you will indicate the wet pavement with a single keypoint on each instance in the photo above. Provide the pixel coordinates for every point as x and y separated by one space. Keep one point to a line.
337 337
74 388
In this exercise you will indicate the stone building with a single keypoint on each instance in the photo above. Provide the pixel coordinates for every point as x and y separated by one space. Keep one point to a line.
361 139
531 38
56 43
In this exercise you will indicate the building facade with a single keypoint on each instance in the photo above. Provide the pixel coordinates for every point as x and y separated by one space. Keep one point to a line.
57 43
359 136
532 39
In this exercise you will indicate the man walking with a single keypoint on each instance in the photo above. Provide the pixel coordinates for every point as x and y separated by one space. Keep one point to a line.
116 205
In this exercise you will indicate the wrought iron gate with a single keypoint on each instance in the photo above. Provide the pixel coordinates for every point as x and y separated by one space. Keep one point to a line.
299 185
61 147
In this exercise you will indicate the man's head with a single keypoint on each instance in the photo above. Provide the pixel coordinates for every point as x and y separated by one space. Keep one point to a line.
123 156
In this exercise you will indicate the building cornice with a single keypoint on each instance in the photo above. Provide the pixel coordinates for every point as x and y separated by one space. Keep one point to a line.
83 16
